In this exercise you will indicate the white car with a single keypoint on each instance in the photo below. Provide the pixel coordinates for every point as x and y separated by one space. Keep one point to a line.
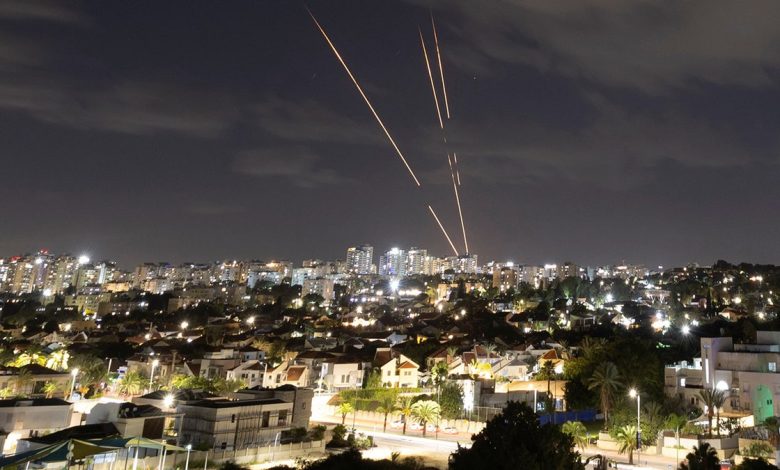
397 424
450 430
430 427
415 426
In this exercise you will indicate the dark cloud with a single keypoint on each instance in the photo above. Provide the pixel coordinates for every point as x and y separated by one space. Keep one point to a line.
296 165
653 46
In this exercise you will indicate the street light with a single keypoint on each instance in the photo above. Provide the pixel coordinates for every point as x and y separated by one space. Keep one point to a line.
633 393
155 363
74 373
168 401
187 462
185 324
250 320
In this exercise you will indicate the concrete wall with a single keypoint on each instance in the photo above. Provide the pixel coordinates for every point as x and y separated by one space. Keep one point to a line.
216 458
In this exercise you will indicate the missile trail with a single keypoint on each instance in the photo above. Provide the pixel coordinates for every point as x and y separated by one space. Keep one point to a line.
379 120
457 172
365 98
430 76
455 250
441 69
457 200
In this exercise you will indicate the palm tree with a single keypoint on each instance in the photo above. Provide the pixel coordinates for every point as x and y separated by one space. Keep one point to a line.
713 401
426 411
578 433
703 457
345 408
50 388
676 422
606 379
22 379
626 440
452 351
387 404
405 407
132 383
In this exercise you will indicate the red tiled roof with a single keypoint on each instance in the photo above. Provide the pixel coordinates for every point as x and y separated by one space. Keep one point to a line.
295 372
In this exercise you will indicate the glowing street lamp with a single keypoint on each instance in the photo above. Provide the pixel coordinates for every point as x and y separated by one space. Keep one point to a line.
250 320
155 363
187 462
686 330
633 393
184 325
168 401
74 373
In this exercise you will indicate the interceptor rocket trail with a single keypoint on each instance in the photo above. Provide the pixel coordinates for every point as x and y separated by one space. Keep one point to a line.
457 200
379 120
430 76
441 69
365 98
455 250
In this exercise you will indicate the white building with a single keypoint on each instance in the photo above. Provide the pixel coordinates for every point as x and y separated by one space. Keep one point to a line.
747 373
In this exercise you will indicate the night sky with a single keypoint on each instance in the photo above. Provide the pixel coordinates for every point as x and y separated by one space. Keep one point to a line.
590 131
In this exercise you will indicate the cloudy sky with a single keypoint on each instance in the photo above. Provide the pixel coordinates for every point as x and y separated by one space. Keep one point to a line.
592 130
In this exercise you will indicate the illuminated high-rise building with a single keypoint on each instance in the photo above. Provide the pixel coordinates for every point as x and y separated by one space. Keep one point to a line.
359 259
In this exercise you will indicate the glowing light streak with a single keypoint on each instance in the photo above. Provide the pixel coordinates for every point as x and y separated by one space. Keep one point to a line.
441 68
430 76
365 98
455 250
457 200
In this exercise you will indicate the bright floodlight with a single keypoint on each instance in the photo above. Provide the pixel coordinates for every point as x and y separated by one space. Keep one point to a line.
609 298
184 325
250 320
155 363
83 259
686 330
74 372
168 400
394 284
722 385
632 393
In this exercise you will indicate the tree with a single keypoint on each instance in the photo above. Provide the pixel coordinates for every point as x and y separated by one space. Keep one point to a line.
606 379
451 400
578 433
387 404
713 400
23 378
426 411
405 407
755 464
132 383
50 388
626 440
703 457
515 439
345 408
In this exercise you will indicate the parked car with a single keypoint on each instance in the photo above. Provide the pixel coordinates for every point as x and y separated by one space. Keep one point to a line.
415 426
397 424
430 427
450 430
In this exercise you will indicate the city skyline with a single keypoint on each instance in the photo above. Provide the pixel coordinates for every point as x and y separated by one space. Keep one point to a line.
216 133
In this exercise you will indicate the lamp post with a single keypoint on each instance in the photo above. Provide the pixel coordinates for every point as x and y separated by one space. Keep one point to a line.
74 373
187 461
155 363
634 393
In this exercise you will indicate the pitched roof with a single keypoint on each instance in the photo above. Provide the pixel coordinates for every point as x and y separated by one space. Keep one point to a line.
408 365
295 372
